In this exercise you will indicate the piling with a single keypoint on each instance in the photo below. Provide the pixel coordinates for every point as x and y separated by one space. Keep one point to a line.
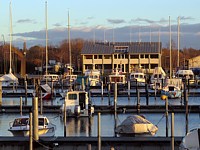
30 132
115 97
166 113
172 131
101 90
21 106
186 113
138 102
109 94
25 84
65 119
147 93
115 127
89 147
35 119
0 93
99 131
155 90
188 85
129 89
51 88
41 103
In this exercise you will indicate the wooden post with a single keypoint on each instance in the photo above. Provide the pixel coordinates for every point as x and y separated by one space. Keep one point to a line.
115 97
41 103
21 106
0 93
129 89
172 131
101 90
25 84
30 132
147 93
138 102
109 94
65 119
99 131
35 118
186 113
83 84
166 113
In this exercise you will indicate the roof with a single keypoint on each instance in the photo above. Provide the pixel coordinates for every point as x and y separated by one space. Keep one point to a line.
109 47
8 77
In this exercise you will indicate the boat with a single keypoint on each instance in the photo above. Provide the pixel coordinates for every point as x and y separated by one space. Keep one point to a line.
186 75
157 78
117 77
138 77
77 104
136 125
172 88
46 92
20 126
191 140
93 77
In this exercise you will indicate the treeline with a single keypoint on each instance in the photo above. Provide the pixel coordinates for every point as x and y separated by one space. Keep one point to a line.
36 56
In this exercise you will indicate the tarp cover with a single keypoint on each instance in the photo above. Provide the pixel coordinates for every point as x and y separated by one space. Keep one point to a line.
8 77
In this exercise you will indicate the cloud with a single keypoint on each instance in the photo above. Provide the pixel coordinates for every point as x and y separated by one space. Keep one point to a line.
115 21
26 21
186 18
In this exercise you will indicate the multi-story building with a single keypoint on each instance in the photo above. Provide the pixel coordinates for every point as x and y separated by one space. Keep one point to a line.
125 55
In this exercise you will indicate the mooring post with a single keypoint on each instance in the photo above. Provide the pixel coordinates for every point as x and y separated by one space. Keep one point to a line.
166 113
30 132
147 93
99 131
21 106
129 89
184 92
0 93
35 118
25 84
115 97
65 119
89 147
155 90
138 102
109 93
41 103
172 131
101 90
186 113
115 127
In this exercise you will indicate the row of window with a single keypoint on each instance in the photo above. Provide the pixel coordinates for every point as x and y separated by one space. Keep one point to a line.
123 56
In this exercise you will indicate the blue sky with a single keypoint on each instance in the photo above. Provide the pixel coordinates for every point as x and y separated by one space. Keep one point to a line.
101 20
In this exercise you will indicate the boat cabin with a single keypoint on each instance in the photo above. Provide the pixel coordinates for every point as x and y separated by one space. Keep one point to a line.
51 78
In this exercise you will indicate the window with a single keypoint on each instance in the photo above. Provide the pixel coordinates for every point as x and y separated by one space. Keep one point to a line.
95 56
115 56
72 96
107 56
134 56
154 56
100 56
88 56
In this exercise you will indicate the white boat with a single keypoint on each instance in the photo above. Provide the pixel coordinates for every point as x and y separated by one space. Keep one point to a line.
157 78
136 125
93 77
191 140
20 126
117 77
185 75
139 77
77 104
172 88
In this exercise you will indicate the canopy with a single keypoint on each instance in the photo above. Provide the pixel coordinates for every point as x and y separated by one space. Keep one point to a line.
8 77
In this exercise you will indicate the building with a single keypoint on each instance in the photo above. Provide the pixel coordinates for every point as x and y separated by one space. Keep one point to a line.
125 55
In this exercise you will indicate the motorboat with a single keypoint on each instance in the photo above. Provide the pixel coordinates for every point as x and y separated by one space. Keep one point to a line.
77 104
20 126
93 77
191 140
136 125
138 77
9 80
173 88
186 75
157 78
117 77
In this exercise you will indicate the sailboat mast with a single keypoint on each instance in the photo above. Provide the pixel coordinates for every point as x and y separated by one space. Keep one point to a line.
70 61
46 38
178 41
170 49
10 69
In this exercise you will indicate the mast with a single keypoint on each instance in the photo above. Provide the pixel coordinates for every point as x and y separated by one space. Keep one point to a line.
178 41
46 38
70 61
170 49
10 70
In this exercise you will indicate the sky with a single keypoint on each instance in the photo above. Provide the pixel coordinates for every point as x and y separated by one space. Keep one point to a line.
105 20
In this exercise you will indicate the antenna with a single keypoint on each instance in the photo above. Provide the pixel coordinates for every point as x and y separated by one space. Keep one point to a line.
170 48
70 61
178 41
10 70
113 35
159 45
130 33
46 38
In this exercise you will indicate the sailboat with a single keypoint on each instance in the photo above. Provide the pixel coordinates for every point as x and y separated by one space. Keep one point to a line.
9 80
173 86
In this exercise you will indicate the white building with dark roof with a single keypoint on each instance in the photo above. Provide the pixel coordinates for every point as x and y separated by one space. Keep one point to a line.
125 55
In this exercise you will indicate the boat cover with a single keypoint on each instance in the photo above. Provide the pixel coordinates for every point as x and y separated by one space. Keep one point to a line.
8 77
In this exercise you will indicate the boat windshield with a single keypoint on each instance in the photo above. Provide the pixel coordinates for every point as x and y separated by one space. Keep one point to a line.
20 122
